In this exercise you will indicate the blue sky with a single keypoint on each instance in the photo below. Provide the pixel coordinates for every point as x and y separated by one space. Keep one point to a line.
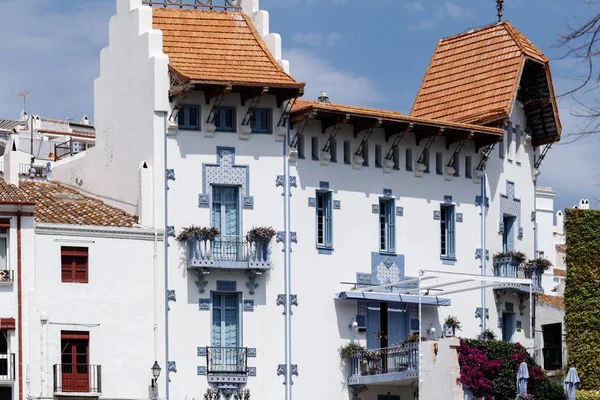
363 52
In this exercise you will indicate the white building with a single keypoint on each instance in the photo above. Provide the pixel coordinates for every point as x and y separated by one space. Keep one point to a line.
374 198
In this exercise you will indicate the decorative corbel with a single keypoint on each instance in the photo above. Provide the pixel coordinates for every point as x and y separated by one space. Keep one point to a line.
245 128
201 282
420 168
252 284
388 162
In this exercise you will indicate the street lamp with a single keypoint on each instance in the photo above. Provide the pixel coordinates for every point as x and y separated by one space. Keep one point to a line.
155 373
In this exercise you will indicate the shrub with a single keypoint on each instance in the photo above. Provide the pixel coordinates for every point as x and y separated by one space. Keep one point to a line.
453 322
348 350
518 256
588 395
582 302
476 370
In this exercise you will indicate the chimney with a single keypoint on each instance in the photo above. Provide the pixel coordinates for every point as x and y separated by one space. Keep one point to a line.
85 120
323 98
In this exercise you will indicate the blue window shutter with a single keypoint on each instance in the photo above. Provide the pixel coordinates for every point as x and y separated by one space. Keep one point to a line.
391 220
328 220
451 238
509 231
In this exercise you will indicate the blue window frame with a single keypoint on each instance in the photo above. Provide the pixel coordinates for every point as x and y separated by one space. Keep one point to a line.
387 226
225 119
189 117
324 222
447 234
226 338
508 236
261 121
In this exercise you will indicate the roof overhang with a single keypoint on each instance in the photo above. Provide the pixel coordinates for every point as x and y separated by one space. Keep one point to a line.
393 297
392 125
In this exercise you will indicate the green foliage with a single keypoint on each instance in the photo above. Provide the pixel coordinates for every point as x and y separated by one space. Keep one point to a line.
505 383
582 302
588 395
349 349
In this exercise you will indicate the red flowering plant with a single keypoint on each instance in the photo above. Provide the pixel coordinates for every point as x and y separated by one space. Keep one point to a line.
477 372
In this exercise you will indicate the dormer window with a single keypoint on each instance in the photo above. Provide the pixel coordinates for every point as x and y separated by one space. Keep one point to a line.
225 119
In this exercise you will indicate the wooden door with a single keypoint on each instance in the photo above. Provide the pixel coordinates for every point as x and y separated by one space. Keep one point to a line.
75 362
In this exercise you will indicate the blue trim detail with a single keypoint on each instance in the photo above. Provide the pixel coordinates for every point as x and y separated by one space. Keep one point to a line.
448 261
323 185
459 217
226 286
447 199
437 215
337 204
400 211
387 192
375 208
478 254
248 305
203 200
204 304
251 371
201 371
323 251
201 351
312 201
251 352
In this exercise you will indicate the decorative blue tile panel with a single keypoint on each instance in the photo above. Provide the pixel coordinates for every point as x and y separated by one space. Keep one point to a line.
363 279
478 254
337 204
312 201
226 286
459 217
500 322
204 304
293 182
520 233
478 201
510 205
375 208
201 370
225 172
251 371
437 214
170 231
201 351
400 211
479 314
447 199
280 181
324 185
387 192
501 227
172 366
280 237
408 285
294 237
251 352
248 305
386 269
509 307
519 326
171 297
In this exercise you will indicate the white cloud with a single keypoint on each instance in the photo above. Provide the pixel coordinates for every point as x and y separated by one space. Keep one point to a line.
316 39
342 86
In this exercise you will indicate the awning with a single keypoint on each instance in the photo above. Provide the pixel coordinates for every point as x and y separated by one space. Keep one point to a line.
394 297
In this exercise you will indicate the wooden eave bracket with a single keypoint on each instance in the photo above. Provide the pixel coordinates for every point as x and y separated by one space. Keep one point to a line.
433 132
307 116
334 132
217 91
334 121
255 96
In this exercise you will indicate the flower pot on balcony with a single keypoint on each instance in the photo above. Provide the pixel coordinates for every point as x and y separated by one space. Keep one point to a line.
192 243
262 249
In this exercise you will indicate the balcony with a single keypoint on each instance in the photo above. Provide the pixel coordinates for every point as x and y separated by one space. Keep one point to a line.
77 380
6 276
7 367
384 366
231 252
507 267
227 365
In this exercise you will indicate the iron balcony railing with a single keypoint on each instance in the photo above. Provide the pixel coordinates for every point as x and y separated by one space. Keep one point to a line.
508 268
227 360
385 361
78 378
42 149
228 249
6 276
7 367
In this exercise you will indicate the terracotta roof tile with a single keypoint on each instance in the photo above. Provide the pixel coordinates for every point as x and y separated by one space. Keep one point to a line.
473 77
559 272
11 193
218 47
557 301
561 248
59 204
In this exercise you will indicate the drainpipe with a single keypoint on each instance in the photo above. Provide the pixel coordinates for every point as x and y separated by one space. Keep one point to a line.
19 301
166 249
535 255
483 247
287 268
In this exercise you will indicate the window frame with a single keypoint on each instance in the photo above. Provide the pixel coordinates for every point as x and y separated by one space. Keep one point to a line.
324 239
222 208
5 234
74 252
254 119
448 231
184 110
387 225
222 308
220 113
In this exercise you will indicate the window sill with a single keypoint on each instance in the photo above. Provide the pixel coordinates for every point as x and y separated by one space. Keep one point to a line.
387 253
448 260
184 128
325 250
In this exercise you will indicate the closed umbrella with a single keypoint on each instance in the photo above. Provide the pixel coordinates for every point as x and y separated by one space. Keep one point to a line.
522 378
571 383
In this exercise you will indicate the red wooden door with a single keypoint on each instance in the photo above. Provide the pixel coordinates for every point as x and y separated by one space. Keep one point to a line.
75 362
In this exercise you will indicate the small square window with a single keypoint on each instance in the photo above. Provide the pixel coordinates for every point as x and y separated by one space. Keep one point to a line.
409 160
378 156
439 164
347 152
468 167
74 264
314 146
189 117
225 119
300 147
261 121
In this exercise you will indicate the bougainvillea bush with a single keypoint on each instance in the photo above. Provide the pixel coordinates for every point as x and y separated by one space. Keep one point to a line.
489 368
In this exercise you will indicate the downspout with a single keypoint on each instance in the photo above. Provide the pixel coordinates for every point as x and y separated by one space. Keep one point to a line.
166 249
535 255
483 247
19 302
286 268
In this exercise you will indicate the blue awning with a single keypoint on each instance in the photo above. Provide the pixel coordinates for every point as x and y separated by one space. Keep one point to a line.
394 297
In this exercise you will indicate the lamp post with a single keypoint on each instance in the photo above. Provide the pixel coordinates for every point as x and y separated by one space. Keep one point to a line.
155 374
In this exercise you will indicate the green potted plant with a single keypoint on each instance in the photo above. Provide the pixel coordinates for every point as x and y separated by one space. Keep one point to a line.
414 338
189 233
513 257
541 264
350 349
261 237
487 334
451 324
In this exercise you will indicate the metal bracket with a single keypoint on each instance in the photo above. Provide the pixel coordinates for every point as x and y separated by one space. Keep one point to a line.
252 106
170 297
396 142
216 104
334 132
281 370
171 367
285 115
457 150
300 130
428 145
538 160
486 153
364 142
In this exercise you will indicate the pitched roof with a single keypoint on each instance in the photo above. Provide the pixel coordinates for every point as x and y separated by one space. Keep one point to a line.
218 47
557 301
473 77
559 272
59 204
11 193
8 124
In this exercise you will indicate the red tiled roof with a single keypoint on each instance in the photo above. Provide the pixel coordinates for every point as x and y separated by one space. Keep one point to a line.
473 77
557 301
218 47
59 204
559 272
11 193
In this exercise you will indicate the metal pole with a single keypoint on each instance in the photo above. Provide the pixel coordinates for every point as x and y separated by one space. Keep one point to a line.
483 247
286 268
535 255
420 358
166 244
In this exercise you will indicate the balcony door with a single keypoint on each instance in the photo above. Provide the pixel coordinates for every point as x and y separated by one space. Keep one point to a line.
226 332
75 362
508 236
4 356
386 324
509 325
226 218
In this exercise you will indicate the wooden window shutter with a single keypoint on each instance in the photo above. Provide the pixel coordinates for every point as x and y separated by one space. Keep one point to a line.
4 223
7 323
74 264
74 335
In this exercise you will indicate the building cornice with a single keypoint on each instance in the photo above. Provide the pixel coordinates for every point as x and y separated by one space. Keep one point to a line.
109 232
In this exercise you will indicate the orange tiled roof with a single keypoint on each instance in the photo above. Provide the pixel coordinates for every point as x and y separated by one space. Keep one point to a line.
11 193
559 272
59 204
218 47
557 301
473 77
301 105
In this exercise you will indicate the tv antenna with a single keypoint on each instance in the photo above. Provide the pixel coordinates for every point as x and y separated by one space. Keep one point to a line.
24 96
